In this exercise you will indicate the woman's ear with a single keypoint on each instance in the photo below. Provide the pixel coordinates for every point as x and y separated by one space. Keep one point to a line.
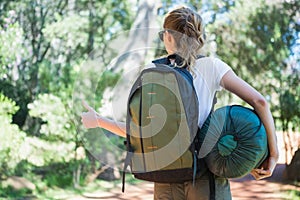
169 37
170 43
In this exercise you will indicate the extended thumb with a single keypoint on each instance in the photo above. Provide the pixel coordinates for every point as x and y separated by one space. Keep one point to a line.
89 108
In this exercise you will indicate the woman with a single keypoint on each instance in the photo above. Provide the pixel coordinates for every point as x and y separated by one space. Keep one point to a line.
183 35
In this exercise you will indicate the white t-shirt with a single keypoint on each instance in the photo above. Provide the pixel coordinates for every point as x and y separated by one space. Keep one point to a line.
208 74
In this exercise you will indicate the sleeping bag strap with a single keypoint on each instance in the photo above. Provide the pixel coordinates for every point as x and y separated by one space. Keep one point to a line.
127 144
212 186
236 136
126 164
215 100
195 167
211 176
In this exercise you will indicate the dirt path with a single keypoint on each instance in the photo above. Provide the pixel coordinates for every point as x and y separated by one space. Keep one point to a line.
274 188
245 188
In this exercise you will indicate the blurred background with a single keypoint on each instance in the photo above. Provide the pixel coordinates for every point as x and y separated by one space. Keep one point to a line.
55 53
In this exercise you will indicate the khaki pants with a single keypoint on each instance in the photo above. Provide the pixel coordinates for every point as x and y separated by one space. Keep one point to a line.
186 190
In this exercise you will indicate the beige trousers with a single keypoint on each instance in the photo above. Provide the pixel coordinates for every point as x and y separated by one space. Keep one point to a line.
186 190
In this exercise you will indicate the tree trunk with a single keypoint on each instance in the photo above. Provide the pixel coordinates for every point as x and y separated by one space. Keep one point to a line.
292 170
91 177
76 176
133 50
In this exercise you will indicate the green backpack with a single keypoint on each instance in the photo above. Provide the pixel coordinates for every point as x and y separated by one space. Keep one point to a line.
161 127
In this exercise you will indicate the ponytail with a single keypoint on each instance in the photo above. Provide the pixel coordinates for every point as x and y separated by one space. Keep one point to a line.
187 28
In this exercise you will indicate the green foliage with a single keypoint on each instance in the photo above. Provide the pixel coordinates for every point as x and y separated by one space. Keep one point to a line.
66 32
11 138
289 101
234 45
257 38
46 42
61 178
293 194
41 152
10 193
11 49
99 141
8 108
56 124
107 79
272 35
57 140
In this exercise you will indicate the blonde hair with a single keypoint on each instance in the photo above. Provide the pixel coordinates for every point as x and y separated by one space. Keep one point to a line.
187 28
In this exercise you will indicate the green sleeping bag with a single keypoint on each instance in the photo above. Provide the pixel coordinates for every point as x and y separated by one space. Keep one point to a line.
233 141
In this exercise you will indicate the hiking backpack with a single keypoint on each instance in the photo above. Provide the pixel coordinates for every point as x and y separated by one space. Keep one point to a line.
162 124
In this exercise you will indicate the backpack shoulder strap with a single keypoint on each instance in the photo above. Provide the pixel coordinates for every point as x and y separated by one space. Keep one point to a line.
183 71
178 60
214 102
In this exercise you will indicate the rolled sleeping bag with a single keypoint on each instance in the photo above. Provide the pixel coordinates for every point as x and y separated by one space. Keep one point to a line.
233 141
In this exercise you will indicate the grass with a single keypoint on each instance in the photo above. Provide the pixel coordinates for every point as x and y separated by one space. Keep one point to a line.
293 194
10 193
44 192
98 185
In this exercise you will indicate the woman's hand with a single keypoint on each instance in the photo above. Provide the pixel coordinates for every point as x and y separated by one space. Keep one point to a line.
266 169
89 119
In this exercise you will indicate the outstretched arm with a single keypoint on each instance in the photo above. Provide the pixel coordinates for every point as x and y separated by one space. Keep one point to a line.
92 119
236 85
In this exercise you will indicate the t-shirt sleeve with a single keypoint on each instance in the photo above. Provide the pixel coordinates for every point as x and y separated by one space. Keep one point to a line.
220 68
